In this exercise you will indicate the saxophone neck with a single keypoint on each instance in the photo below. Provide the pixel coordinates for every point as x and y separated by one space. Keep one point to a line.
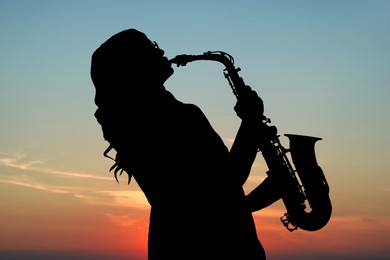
220 56
231 72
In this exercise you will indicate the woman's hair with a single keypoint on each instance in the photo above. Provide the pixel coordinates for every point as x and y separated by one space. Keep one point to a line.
112 132
112 63
116 60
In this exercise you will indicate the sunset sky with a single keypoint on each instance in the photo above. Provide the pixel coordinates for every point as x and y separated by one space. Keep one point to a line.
322 69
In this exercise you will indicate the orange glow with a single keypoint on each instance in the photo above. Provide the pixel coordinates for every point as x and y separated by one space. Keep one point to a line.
341 236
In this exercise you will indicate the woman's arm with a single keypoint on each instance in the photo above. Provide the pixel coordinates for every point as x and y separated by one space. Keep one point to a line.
250 109
244 150
264 195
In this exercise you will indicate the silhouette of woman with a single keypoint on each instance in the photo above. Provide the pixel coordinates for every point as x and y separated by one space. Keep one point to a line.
190 178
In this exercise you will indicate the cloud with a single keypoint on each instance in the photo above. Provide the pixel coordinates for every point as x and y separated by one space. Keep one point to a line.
36 185
90 193
126 198
134 199
16 161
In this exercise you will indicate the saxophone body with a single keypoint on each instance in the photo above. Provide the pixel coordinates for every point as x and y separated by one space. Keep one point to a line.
304 189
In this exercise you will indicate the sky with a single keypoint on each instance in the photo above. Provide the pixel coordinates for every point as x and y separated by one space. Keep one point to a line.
321 68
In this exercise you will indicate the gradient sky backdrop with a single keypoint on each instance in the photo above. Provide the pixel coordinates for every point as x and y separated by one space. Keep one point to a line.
321 67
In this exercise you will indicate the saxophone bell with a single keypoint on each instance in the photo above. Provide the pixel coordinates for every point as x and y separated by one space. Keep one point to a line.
316 188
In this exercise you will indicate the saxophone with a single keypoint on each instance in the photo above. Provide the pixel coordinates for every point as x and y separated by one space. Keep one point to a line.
304 194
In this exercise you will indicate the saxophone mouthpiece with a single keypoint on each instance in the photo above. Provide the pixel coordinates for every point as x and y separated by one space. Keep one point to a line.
181 60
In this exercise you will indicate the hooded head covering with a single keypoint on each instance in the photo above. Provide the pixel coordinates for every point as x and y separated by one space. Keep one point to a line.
117 59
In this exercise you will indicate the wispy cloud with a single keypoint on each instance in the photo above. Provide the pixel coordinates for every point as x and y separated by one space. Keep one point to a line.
126 198
134 199
36 185
90 193
18 161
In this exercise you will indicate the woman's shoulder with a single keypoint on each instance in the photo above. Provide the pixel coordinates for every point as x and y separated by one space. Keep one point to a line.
192 110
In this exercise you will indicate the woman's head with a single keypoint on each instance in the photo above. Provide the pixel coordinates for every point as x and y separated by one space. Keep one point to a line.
128 71
128 62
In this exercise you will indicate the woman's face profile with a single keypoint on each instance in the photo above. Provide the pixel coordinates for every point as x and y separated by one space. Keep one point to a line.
154 64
